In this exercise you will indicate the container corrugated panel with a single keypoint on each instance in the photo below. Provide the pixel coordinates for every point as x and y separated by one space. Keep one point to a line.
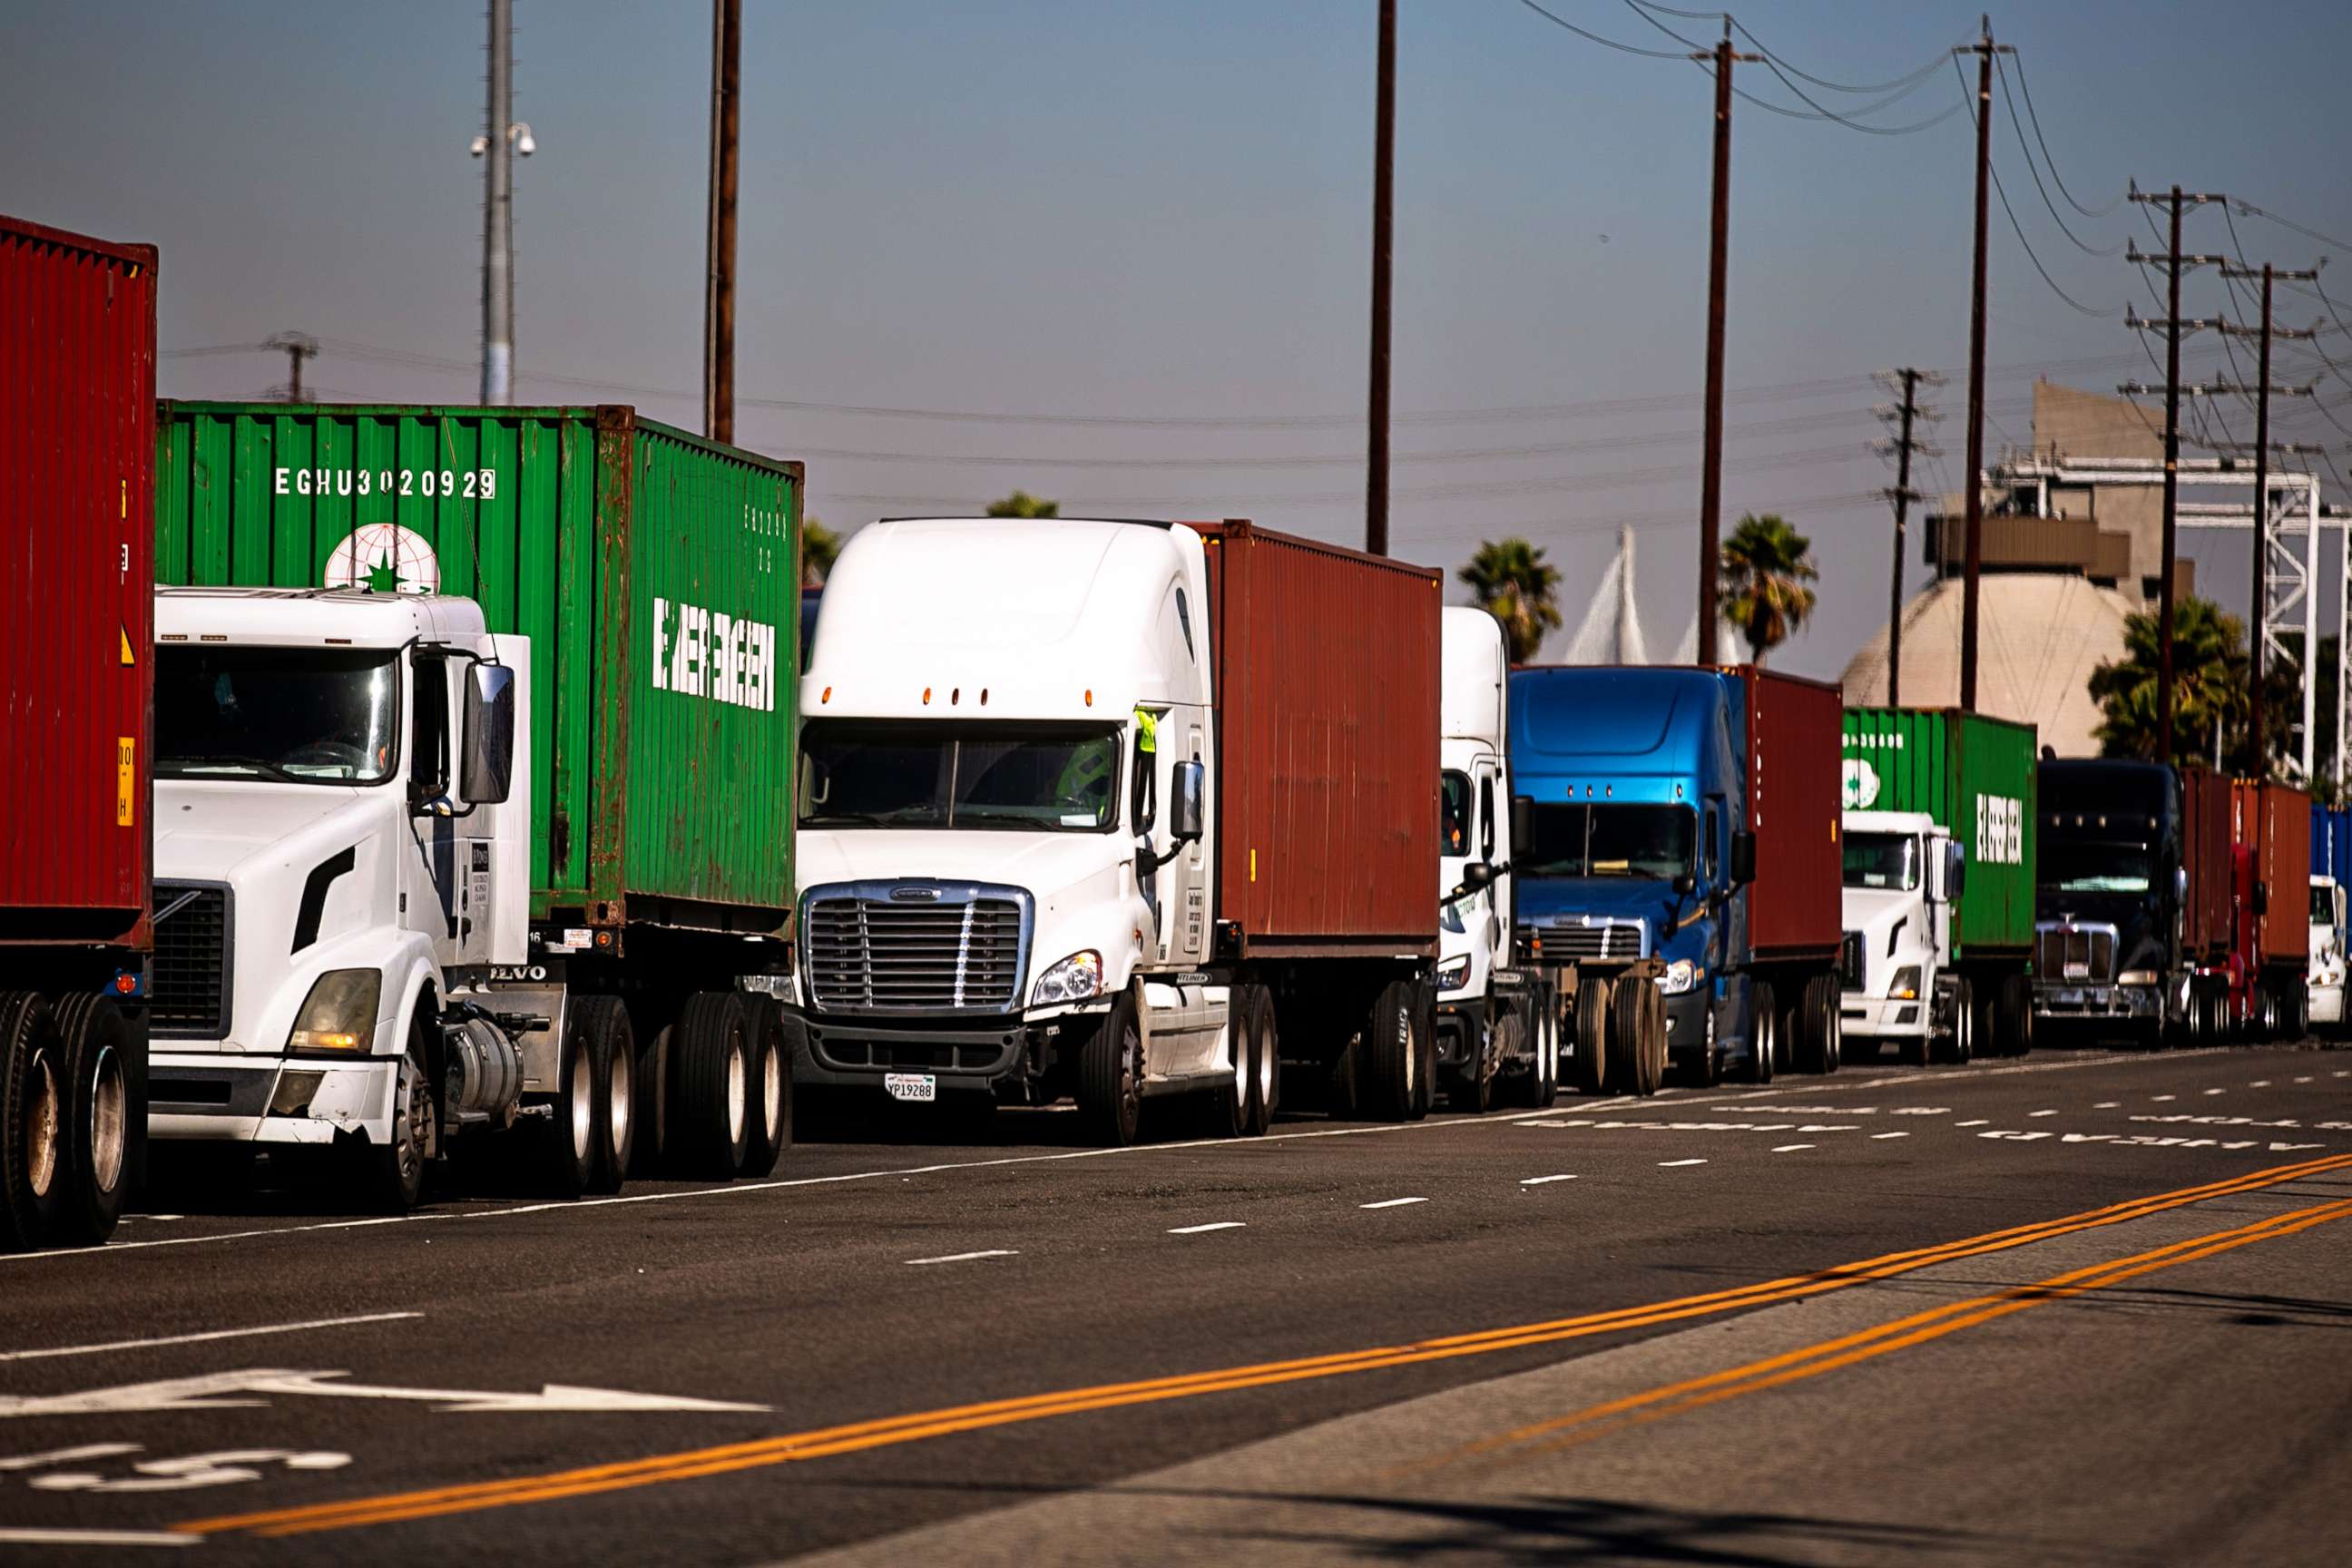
655 573
1794 740
1976 776
1326 671
2205 841
2331 843
2269 819
77 488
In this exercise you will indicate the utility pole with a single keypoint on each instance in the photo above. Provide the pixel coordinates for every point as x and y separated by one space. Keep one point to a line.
1902 446
498 196
1984 49
2174 261
1376 476
1710 484
296 347
719 280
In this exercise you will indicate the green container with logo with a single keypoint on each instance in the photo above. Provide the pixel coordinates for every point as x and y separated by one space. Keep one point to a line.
1975 776
655 573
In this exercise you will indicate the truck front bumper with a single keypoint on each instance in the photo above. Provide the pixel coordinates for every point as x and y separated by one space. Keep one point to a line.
210 1097
1688 1019
2061 1000
1879 1019
1460 1029
965 1055
2327 1004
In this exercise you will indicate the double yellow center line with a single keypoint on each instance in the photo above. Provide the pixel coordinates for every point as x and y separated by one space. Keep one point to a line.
856 1437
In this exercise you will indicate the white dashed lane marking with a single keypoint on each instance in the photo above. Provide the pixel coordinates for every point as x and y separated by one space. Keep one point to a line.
1979 1121
1393 1203
2160 1098
1213 1224
1670 1163
2041 1114
1540 1181
1791 1148
1876 1136
963 1257
2109 1105
2212 1091
2259 1083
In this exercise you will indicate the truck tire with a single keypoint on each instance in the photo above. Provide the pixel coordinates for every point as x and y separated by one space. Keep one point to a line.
391 1174
1652 1074
612 1047
1474 1091
1624 1047
1592 1067
711 1099
1816 1041
1424 1045
1763 1035
2016 1037
32 1120
1393 1053
653 1057
773 1047
99 1131
1111 1076
1545 1027
1229 1103
1266 1077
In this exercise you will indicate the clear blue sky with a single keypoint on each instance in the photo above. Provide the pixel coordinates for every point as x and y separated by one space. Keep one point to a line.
1108 207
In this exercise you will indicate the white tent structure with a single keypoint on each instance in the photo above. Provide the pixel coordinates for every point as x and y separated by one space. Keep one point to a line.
1610 630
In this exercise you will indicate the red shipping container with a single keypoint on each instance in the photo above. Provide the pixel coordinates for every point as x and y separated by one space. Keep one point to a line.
2273 821
1795 795
2205 844
77 584
1326 672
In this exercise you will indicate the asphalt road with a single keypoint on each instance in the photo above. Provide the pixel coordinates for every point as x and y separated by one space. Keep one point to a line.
2084 1308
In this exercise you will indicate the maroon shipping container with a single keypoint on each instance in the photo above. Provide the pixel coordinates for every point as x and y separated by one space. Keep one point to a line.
2205 844
1326 682
1795 740
77 584
2273 821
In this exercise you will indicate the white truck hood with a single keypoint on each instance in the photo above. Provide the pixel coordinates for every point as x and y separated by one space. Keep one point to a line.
1874 912
1044 863
206 832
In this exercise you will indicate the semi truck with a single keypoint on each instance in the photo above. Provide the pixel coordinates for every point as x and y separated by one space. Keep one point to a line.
77 815
1684 828
2270 952
474 738
2331 875
1119 811
1497 1019
1938 854
2132 900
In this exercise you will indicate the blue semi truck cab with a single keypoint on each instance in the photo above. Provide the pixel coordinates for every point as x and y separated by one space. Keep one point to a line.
1641 850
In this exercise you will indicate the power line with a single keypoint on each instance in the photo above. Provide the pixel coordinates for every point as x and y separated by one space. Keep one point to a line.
2026 87
1611 42
1859 91
2018 125
2018 228
1821 111
2253 211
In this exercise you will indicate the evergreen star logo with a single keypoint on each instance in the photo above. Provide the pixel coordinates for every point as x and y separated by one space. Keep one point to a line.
383 558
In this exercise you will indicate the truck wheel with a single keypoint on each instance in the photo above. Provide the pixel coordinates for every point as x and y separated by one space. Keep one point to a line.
710 1108
1393 1053
1591 1068
32 1120
1815 1031
1229 1103
1474 1091
1763 1035
652 1081
97 1139
391 1174
602 1022
1546 1028
1652 1076
1624 1047
1111 1076
2016 1018
772 1087
1425 1047
1266 1079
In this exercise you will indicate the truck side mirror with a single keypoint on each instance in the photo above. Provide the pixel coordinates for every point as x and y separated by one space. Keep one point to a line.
2261 898
487 772
1192 802
1522 822
1955 868
1743 857
1685 885
1479 875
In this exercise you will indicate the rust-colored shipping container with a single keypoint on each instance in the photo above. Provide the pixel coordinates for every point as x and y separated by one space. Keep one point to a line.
2273 821
1795 742
77 584
1326 672
2205 844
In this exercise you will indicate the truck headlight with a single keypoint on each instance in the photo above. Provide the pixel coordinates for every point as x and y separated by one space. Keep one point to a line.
1679 977
1454 972
2136 977
1074 979
339 1014
1907 983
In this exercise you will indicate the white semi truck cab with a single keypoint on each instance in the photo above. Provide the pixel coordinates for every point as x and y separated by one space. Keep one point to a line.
1902 873
2328 936
342 893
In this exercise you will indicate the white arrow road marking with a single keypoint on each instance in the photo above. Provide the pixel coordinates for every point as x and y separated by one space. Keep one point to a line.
67 1456
211 1391
9 1537
192 1471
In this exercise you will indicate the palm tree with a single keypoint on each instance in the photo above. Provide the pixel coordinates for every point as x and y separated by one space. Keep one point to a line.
1515 586
820 547
1766 567
1021 503
2211 676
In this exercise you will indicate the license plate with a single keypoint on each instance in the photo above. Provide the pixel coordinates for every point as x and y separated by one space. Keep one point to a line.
913 1088
2078 971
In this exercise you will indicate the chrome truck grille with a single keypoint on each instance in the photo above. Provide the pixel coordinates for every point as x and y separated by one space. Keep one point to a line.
1584 937
916 948
188 991
2084 954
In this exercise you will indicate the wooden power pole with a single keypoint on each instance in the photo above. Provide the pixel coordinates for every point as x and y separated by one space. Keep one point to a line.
1710 484
1376 466
1984 49
719 290
1906 416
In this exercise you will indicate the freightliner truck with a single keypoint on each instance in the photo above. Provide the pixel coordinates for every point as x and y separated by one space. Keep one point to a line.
1119 811
473 751
1497 1019
1684 827
2133 905
1939 831
77 820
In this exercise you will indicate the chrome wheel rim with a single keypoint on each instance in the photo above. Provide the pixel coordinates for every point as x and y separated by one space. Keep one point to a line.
110 1100
409 1130
772 1094
620 1101
738 1096
1266 1048
41 1122
583 1106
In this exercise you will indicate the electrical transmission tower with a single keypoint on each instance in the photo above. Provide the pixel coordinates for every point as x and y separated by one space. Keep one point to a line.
1906 416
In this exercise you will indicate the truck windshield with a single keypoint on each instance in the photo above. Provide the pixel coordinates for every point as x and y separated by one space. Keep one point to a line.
2093 866
1652 841
2323 904
1454 820
297 715
1033 778
1882 860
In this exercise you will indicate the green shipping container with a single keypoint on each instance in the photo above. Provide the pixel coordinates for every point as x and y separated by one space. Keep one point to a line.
655 573
1976 777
